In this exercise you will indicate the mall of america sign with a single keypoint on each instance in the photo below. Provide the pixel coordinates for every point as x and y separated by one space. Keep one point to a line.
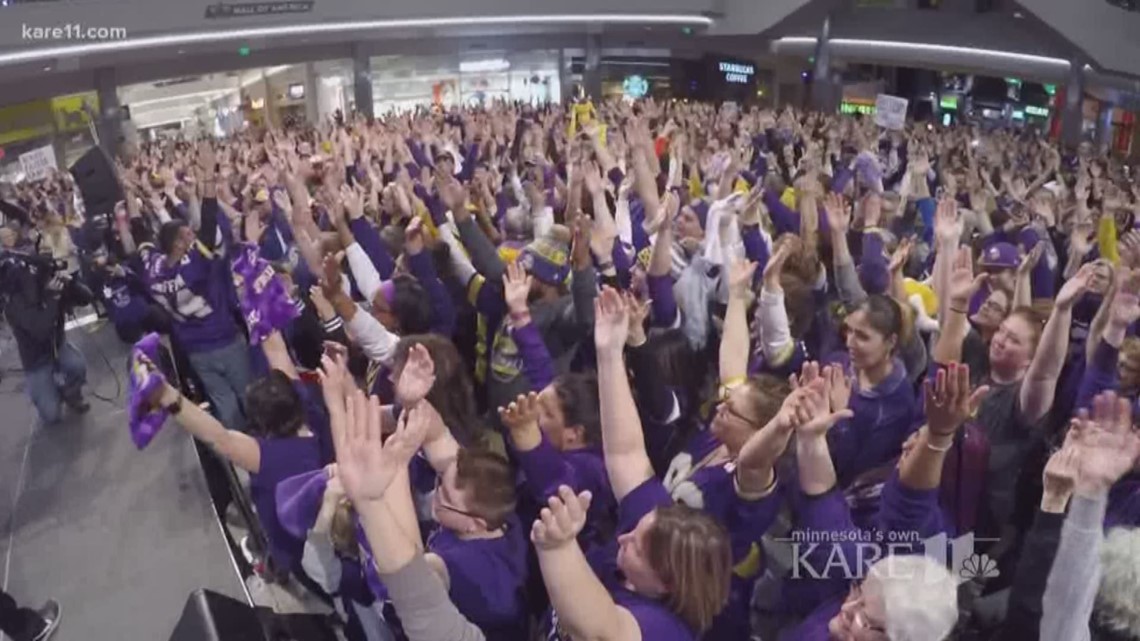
243 9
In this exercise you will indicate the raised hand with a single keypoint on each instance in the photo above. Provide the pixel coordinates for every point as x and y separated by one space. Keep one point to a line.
331 281
325 310
1075 287
963 284
1126 303
775 267
638 312
947 222
560 522
352 201
516 289
416 377
838 213
809 372
592 177
901 255
1109 446
412 430
611 321
521 414
281 199
414 236
740 274
765 446
1029 261
754 208
839 395
950 400
814 417
361 464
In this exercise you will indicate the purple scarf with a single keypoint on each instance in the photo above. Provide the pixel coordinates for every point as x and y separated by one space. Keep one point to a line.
265 304
142 381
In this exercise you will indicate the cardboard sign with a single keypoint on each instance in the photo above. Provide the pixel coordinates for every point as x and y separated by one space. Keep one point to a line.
890 111
38 163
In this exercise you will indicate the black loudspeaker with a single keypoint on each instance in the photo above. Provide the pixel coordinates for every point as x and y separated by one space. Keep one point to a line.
95 178
209 616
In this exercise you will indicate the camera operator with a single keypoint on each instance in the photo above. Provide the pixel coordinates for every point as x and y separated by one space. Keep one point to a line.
38 291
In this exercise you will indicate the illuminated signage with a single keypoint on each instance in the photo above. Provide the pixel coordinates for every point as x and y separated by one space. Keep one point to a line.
1019 115
949 102
736 72
635 86
1037 111
857 108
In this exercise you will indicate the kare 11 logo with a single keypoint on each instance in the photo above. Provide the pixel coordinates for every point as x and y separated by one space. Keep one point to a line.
849 555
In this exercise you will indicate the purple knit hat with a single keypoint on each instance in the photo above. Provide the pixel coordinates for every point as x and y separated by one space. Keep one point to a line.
265 304
142 381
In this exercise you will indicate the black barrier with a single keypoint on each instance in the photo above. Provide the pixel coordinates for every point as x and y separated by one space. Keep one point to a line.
209 616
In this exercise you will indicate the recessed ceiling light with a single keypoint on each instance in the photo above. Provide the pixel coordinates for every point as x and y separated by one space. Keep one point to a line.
47 68
1018 14
181 51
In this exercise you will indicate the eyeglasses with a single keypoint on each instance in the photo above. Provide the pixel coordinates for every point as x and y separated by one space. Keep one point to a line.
727 407
449 508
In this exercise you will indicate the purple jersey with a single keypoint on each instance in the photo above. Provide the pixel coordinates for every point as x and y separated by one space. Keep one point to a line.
197 293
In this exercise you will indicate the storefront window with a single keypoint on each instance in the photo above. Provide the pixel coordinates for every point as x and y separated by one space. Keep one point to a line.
402 83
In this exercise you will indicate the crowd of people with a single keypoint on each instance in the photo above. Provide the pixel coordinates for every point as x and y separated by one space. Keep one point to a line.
640 370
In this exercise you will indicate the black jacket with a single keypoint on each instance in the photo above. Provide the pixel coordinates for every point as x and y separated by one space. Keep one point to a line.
35 312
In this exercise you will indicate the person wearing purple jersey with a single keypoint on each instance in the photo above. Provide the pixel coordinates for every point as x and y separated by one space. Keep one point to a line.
189 275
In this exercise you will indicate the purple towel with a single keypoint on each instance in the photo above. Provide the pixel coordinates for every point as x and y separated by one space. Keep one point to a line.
142 381
299 501
265 304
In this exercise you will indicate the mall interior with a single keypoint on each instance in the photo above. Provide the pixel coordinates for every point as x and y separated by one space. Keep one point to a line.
126 541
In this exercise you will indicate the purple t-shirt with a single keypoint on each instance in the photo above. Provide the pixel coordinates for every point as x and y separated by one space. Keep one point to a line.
656 621
281 458
196 292
545 469
487 579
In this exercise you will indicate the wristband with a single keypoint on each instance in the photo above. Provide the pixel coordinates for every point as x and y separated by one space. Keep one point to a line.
175 407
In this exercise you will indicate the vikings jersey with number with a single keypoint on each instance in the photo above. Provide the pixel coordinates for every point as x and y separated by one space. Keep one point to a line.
196 293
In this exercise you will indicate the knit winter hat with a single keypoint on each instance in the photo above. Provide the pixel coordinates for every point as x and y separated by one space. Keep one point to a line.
548 258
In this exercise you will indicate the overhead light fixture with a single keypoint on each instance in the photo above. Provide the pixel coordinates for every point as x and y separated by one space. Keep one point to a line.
904 48
484 66
252 33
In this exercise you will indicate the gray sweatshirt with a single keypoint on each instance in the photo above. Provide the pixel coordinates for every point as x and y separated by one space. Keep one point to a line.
425 609
1075 578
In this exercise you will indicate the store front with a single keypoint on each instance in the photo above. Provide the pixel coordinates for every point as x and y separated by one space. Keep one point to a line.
402 83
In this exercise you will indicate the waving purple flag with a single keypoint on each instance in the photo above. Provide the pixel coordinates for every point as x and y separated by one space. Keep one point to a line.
142 381
265 304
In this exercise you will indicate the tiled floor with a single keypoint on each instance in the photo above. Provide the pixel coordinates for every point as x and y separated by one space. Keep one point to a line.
119 537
